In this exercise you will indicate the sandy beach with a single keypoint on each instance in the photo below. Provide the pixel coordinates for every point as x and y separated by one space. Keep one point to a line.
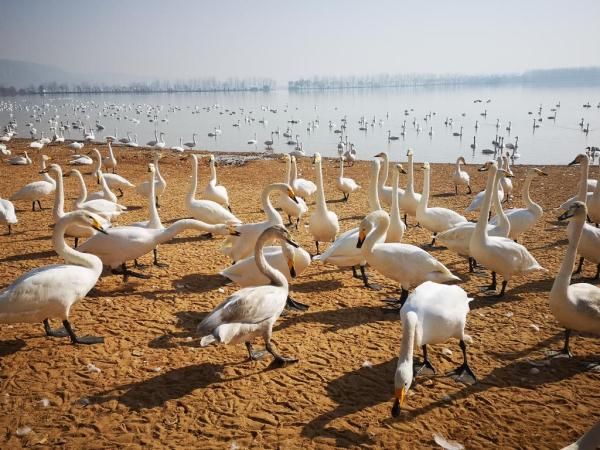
150 384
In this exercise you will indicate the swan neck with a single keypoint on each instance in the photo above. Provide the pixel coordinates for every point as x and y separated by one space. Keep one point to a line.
411 184
275 276
425 195
154 219
377 234
265 198
70 255
502 218
58 211
582 193
481 227
526 197
194 181
82 189
374 204
563 278
288 171
213 172
321 204
409 329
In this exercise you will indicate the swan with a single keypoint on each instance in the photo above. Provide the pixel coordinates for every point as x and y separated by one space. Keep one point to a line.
407 264
323 224
290 207
251 312
460 177
35 190
410 199
23 160
205 210
397 227
506 182
105 193
302 187
110 162
104 208
385 192
343 252
161 142
178 148
117 182
588 441
290 261
576 307
252 141
523 219
435 219
498 254
76 145
122 244
50 292
346 185
81 160
478 199
160 184
191 145
458 238
214 191
4 151
593 205
433 313
589 244
241 247
7 214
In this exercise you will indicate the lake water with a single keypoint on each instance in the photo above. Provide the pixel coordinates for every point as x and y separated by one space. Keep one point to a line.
556 141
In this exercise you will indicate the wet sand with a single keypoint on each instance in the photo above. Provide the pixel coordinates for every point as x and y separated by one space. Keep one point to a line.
156 387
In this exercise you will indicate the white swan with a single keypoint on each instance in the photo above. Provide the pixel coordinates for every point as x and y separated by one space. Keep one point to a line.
104 208
576 307
523 219
251 312
240 247
302 187
506 182
105 193
460 177
385 192
7 214
433 313
160 184
154 219
410 200
81 160
50 292
110 162
344 184
407 264
435 219
23 160
293 209
458 239
205 210
593 205
397 227
179 148
498 254
214 191
290 261
323 224
36 190
478 199
113 180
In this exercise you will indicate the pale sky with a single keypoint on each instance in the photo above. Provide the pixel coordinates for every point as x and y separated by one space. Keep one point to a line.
284 40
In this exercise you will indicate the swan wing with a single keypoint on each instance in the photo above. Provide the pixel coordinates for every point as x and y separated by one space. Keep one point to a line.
587 299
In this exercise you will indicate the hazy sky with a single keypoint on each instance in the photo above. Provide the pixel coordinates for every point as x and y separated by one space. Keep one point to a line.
284 40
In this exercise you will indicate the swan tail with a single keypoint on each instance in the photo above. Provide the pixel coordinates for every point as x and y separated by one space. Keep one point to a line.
207 340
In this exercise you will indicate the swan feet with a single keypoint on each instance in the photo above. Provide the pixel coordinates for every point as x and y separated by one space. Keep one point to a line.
397 304
279 358
565 352
60 332
293 304
129 273
156 262
87 340
253 354
463 373
365 279
426 366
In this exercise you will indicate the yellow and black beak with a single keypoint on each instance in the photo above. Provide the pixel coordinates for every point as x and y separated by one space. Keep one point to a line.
292 195
361 238
292 243
400 395
292 268
98 226
233 231
566 215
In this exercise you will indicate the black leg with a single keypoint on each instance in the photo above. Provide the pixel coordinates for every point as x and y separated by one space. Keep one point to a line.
81 340
33 205
363 274
129 273
464 369
290 303
470 191
317 244
471 266
405 223
229 208
290 219
426 363
354 274
254 355
76 242
566 349
9 229
280 359
156 262
579 267
456 189
433 240
297 222
397 304
61 332
39 204
504 283
492 287
157 205
120 192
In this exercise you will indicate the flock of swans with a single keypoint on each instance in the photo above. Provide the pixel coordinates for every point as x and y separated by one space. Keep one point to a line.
265 257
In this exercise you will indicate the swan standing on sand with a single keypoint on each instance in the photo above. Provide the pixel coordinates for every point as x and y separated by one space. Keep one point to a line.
524 219
506 182
478 199
110 162
251 312
214 191
240 247
498 254
293 209
397 226
435 219
458 239
346 185
323 224
113 180
7 214
410 200
35 190
385 192
50 292
104 208
460 177
407 264
302 187
160 184
433 313
576 307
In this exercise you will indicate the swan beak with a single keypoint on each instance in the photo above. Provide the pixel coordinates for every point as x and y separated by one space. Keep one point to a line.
379 155
402 169
566 215
233 231
361 239
572 163
44 171
98 227
292 243
542 173
292 268
400 395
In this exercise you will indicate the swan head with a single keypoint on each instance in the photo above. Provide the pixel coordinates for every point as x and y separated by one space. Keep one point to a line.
402 382
425 166
487 166
280 233
538 172
317 158
367 225
45 158
461 159
290 257
409 152
87 219
577 209
579 159
401 169
381 155
54 168
151 168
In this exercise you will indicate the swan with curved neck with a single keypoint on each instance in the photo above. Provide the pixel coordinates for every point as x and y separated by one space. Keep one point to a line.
435 219
49 292
385 192
323 224
498 254
153 219
575 306
104 208
205 210
105 193
251 312
304 188
160 184
405 263
291 208
460 177
410 200
433 313
478 199
241 247
214 191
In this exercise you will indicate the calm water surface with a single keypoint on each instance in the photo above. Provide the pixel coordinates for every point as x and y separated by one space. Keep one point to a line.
258 113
